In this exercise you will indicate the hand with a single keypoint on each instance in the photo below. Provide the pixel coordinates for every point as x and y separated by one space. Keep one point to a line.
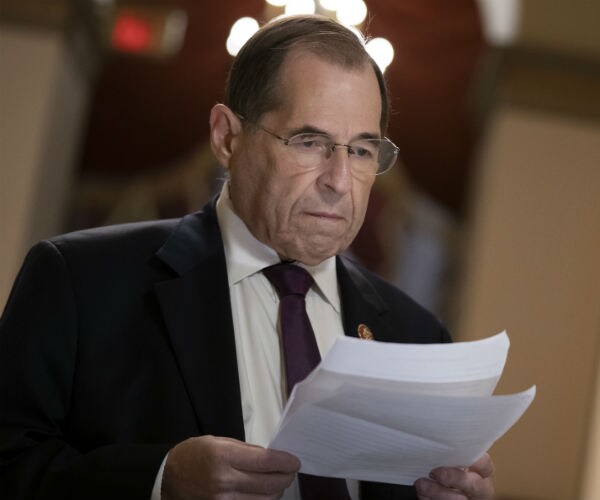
210 467
453 483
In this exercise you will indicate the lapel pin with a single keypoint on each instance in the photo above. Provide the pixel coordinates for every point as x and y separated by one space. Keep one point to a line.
364 332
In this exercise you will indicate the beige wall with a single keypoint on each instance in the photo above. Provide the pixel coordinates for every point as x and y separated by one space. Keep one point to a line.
533 267
564 27
591 476
42 100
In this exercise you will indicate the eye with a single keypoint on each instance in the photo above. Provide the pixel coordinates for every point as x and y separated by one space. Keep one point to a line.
366 150
361 152
309 143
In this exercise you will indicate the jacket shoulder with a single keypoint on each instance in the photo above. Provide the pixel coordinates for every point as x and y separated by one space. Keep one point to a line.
135 234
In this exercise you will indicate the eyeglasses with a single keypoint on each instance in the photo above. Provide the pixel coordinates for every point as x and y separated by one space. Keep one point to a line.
312 150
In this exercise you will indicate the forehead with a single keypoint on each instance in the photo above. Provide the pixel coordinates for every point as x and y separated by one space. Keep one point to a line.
315 91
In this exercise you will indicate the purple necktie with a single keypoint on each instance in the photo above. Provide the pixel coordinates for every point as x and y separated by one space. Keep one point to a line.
301 355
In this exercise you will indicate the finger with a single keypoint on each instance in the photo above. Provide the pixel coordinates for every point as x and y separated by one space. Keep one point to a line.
257 459
258 470
470 483
484 466
273 483
428 489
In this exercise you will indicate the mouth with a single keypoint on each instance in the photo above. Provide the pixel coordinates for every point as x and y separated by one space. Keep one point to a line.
327 216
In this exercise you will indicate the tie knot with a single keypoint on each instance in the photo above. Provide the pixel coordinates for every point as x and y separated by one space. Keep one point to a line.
289 279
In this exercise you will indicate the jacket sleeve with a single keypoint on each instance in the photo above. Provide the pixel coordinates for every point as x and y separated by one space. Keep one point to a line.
38 366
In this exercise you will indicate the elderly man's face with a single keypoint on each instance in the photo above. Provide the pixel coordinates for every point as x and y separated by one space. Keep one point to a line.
304 214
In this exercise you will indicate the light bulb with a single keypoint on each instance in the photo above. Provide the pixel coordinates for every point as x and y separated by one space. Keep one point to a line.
351 12
239 34
299 7
330 4
382 52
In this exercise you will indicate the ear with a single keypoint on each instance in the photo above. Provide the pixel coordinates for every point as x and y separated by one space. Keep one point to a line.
225 127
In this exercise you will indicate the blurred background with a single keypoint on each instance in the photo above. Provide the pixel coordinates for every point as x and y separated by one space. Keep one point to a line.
492 220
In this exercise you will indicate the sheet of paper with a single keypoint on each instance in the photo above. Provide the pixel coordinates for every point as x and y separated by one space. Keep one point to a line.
428 363
392 412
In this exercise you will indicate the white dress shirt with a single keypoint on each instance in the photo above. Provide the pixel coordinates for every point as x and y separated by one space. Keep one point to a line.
254 306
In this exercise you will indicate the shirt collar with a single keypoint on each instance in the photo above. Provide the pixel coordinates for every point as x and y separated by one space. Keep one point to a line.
245 255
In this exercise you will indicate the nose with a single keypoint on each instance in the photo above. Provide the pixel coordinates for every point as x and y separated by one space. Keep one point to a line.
337 174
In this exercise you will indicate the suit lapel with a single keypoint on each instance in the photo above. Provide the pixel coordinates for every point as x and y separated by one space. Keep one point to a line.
361 304
197 313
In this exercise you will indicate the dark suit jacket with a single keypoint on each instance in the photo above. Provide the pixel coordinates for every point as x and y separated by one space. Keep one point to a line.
117 343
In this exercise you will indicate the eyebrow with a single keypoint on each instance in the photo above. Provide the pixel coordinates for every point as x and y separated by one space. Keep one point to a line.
307 129
310 129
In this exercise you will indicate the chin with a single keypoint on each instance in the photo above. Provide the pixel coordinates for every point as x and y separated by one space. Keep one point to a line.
316 256
310 260
312 250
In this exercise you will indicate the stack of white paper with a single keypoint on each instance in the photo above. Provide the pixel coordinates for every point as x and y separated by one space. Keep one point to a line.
392 412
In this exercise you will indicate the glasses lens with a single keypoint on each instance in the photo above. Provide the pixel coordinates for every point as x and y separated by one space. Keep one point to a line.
309 150
310 144
388 154
374 156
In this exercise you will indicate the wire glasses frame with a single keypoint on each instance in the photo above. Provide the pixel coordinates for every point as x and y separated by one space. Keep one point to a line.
311 150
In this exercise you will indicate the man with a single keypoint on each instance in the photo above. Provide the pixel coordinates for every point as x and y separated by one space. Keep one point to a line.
145 359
